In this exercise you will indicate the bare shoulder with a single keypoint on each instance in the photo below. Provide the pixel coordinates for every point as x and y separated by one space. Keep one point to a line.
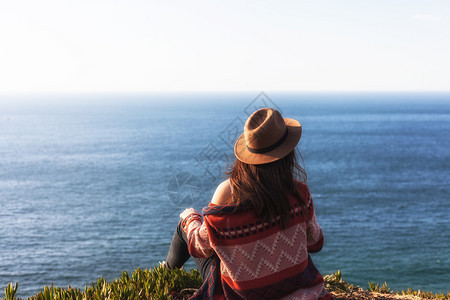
222 195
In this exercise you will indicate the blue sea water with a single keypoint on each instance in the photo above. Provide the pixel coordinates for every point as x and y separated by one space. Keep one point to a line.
93 185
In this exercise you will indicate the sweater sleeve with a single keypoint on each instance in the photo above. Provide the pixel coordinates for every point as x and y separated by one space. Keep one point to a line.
198 240
313 231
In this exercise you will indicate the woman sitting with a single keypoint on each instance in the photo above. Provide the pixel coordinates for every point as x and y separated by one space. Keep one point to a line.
254 238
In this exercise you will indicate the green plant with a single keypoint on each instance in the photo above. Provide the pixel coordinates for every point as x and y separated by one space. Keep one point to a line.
334 282
159 283
379 288
425 295
10 291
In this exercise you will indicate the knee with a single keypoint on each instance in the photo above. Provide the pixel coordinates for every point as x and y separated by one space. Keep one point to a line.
180 232
179 228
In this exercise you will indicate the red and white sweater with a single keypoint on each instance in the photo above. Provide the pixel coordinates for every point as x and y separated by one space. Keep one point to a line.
255 259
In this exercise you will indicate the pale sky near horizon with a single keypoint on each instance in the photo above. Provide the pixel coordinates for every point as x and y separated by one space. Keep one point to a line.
235 45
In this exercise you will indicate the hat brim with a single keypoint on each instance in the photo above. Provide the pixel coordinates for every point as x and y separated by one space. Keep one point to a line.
294 133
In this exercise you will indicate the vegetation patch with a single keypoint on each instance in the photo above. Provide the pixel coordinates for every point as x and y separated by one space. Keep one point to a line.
161 283
343 290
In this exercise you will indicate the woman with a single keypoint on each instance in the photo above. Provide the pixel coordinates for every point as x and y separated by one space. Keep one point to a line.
256 234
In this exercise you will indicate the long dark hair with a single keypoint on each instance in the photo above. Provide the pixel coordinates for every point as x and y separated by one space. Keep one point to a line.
268 186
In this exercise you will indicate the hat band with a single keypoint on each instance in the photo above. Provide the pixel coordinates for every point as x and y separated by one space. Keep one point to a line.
270 148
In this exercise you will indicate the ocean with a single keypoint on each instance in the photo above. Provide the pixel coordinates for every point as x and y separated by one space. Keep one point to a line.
91 185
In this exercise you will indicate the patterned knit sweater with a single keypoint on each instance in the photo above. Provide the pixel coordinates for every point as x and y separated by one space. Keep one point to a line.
255 259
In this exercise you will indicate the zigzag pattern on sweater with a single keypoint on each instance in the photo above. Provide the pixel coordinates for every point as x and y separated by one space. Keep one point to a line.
248 268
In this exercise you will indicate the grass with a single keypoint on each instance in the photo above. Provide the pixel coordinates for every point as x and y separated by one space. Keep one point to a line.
161 283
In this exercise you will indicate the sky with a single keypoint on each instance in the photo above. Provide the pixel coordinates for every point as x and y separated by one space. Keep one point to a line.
235 45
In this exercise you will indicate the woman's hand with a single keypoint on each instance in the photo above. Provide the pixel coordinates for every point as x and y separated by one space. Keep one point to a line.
187 212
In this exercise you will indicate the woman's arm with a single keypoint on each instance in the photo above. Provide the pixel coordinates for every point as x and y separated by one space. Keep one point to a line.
196 231
313 231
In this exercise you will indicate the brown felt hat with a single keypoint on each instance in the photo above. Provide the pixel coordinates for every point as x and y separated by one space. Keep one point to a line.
267 137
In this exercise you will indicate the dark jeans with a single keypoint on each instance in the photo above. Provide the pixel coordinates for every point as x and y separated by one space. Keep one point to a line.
179 253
